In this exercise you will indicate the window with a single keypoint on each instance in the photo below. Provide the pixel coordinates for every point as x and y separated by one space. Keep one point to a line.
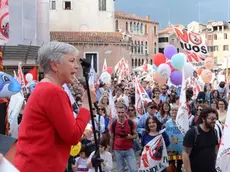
135 47
215 60
139 62
161 50
133 62
141 28
155 30
215 48
138 29
151 61
225 36
155 50
178 50
215 37
146 48
138 47
131 27
134 26
127 27
53 5
146 29
142 48
209 37
210 48
67 5
116 25
225 47
102 5
142 61
163 39
89 57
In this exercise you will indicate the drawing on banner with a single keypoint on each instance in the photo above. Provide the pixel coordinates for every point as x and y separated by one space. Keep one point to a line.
154 156
193 45
4 22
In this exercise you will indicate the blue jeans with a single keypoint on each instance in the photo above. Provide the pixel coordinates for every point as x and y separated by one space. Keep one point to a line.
129 156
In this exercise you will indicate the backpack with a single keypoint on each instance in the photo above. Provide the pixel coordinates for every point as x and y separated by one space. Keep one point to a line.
197 133
130 122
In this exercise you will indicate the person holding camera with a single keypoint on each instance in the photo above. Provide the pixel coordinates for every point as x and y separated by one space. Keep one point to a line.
123 132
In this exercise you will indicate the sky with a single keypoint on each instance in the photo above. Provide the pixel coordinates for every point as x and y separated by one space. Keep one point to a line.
180 11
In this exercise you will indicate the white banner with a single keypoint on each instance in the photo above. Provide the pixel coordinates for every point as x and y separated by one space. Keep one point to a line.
182 120
141 98
154 156
15 105
193 45
223 156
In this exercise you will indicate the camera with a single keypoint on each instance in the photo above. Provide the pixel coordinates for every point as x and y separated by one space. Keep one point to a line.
123 135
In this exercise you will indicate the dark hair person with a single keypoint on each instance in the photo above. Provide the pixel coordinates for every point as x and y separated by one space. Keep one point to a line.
153 127
48 127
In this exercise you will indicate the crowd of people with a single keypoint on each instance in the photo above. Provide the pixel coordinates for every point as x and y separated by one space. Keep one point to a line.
48 127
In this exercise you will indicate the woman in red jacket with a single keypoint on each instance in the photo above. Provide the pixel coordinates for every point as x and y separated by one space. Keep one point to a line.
48 127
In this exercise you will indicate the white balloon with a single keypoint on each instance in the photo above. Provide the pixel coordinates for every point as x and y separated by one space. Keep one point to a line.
164 70
29 77
188 70
105 77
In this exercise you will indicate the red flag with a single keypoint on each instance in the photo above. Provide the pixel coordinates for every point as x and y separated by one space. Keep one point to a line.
33 72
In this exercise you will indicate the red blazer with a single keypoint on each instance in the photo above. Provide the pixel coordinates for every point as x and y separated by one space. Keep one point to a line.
48 130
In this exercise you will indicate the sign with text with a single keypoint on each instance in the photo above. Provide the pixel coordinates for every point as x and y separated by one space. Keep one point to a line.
193 45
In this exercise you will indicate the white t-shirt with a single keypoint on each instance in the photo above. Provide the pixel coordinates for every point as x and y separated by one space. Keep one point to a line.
81 165
108 161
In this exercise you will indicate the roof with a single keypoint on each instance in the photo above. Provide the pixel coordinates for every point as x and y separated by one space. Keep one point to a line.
123 15
20 52
169 29
87 37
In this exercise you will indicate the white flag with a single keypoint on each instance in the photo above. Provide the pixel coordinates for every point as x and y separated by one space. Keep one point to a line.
182 119
92 74
223 156
112 106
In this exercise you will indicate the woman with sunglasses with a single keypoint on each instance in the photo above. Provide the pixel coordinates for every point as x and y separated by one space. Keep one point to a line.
102 112
153 128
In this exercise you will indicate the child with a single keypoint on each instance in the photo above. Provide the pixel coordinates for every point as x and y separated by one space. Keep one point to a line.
81 161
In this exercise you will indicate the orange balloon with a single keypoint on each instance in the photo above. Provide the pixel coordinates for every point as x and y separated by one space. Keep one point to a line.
158 78
198 71
206 75
158 59
209 63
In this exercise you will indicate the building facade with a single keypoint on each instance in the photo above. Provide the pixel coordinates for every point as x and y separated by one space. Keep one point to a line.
143 34
218 41
111 46
82 15
168 36
28 30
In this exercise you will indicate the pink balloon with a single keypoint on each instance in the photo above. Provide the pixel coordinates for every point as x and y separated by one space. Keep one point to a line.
209 63
206 75
170 65
110 70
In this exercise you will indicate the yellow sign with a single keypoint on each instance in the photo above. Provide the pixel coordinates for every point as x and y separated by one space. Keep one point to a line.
75 149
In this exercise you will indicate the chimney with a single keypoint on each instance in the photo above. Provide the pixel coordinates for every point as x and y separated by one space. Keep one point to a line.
147 17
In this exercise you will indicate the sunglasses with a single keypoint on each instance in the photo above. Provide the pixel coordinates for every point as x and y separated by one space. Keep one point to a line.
131 110
212 119
101 109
